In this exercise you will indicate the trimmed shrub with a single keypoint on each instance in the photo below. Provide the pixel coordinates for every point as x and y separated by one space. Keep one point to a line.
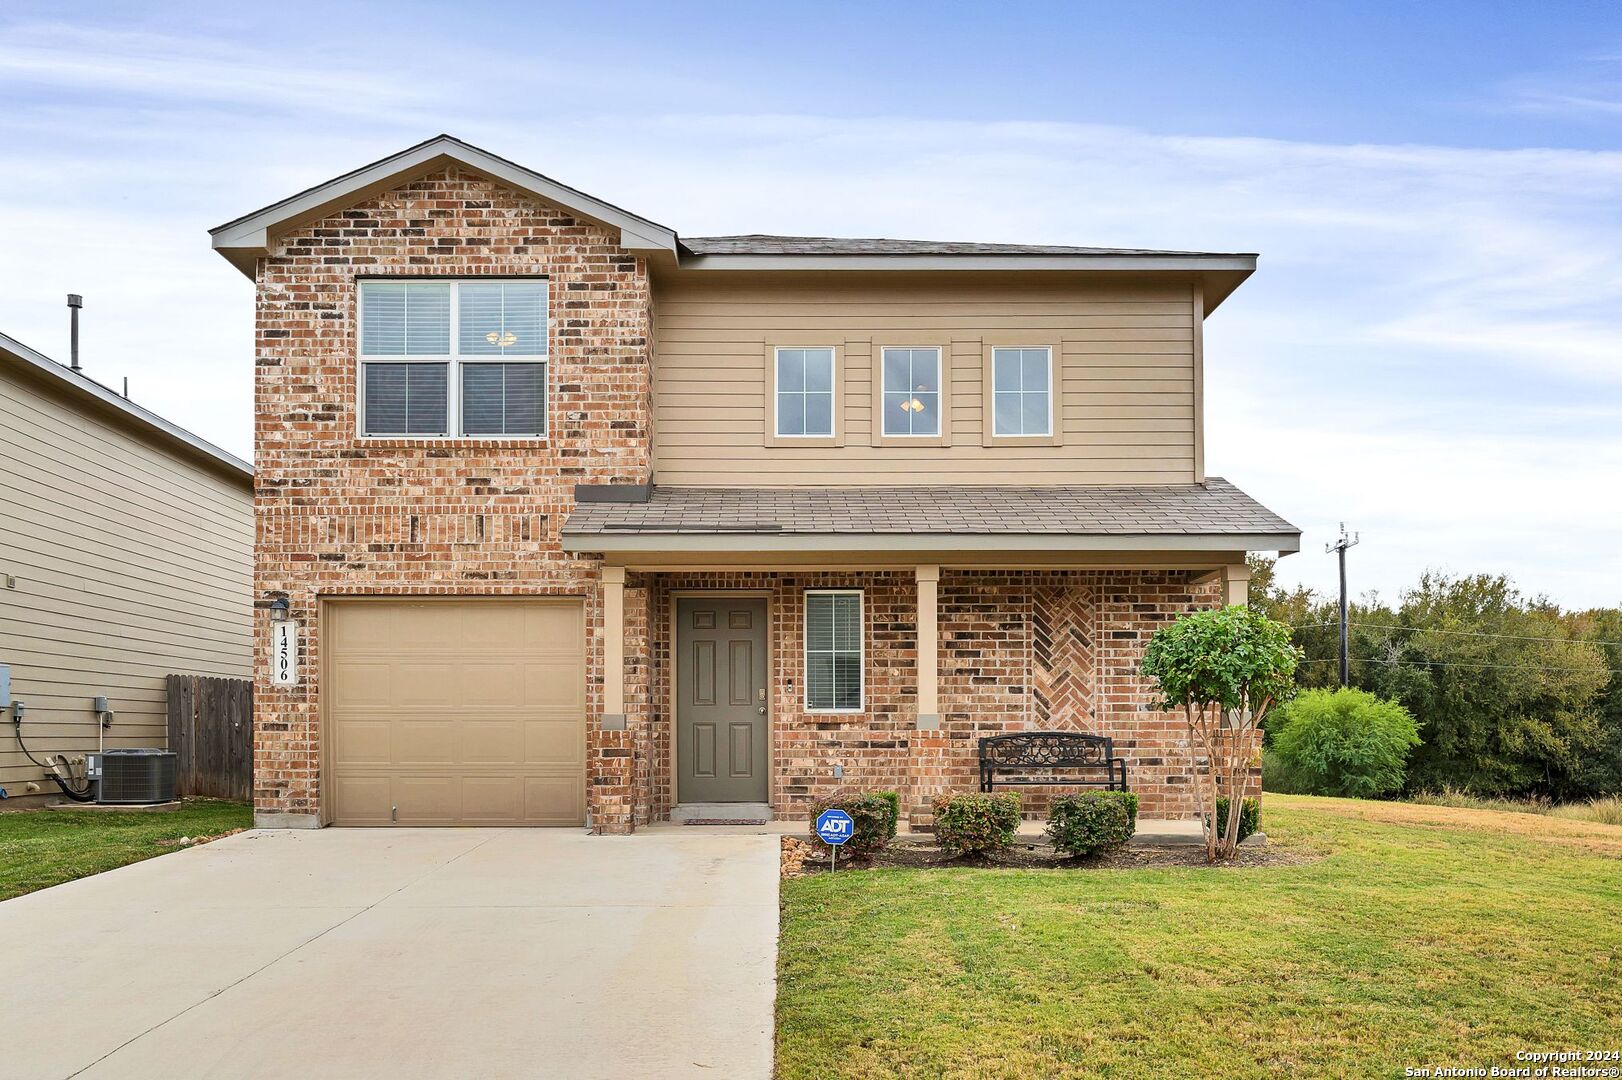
1092 821
894 799
971 822
1250 817
872 813
1344 742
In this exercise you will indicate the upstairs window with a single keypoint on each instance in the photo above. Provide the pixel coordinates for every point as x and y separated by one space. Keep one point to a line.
912 391
805 392
1022 391
449 358
833 650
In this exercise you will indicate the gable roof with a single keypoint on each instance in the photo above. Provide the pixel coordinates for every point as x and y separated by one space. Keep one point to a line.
1214 515
81 388
244 240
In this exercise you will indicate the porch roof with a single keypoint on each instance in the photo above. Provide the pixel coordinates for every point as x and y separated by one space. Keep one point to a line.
1209 515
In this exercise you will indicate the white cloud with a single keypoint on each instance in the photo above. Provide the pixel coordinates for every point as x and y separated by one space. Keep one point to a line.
1432 349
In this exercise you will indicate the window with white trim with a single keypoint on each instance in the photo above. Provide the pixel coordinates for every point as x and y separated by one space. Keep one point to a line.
805 392
445 358
912 391
833 650
1022 391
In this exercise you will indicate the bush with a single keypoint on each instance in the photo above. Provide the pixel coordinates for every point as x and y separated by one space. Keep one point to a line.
1277 778
894 799
1250 817
872 813
1344 742
971 822
1092 821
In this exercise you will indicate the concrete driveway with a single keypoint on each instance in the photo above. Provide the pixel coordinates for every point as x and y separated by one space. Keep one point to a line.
402 953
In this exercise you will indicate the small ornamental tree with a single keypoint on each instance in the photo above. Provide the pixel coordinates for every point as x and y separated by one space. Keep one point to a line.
1224 669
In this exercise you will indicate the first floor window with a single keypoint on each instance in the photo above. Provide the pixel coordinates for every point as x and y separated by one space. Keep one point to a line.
1022 396
912 391
442 357
805 392
833 651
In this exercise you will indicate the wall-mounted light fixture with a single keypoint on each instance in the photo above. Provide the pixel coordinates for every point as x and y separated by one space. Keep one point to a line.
279 608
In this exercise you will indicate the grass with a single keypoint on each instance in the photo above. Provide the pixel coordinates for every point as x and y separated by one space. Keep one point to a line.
1604 811
41 848
1426 935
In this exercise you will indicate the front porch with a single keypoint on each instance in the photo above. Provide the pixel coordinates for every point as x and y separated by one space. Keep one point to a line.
1051 645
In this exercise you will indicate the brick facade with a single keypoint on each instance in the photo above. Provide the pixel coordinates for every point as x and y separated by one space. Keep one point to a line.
1020 650
341 516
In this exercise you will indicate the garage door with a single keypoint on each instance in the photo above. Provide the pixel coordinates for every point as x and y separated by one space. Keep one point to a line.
456 712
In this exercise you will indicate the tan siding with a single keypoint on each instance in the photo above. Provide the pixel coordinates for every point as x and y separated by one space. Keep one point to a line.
1125 353
130 561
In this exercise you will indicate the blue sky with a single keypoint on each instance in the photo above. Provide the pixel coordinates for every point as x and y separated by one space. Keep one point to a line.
1432 349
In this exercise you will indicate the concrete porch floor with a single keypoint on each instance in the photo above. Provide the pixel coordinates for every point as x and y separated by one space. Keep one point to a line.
1151 832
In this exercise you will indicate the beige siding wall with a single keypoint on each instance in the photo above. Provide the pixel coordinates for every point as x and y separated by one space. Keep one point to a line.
1125 353
130 563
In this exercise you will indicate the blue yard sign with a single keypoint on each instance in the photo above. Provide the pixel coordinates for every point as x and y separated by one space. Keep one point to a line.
835 827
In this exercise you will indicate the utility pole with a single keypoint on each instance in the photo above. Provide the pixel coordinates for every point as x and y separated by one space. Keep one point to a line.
1339 547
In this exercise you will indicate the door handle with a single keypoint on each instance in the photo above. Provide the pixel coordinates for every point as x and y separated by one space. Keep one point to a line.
763 710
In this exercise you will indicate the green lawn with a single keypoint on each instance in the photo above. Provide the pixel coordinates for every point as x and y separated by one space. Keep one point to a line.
41 848
1425 936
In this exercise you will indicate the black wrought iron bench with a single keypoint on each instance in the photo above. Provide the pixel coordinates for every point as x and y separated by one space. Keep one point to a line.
1043 757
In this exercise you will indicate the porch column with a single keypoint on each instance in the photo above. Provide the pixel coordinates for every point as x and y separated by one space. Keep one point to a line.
928 649
613 648
1235 584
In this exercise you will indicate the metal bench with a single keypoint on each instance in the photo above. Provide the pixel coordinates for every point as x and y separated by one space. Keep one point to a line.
1037 757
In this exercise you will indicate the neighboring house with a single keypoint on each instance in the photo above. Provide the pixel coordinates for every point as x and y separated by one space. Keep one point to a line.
126 554
580 520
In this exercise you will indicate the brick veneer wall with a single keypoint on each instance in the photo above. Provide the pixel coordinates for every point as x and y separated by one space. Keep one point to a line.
341 516
999 666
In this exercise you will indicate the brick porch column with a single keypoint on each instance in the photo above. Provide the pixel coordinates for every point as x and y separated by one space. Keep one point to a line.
929 742
1235 584
610 776
929 649
613 648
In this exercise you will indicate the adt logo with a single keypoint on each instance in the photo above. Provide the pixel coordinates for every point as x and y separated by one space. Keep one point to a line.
835 827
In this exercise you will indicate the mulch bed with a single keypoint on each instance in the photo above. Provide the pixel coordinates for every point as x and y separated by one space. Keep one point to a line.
801 858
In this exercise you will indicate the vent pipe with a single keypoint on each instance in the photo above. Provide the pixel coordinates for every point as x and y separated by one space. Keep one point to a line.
75 302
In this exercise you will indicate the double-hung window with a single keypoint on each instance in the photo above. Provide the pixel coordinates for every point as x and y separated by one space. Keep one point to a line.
447 358
1022 391
805 392
912 391
833 650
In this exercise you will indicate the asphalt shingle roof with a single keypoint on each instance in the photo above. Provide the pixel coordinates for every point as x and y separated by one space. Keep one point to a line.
761 244
1214 508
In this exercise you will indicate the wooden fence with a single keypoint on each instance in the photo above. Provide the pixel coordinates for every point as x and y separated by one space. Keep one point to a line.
211 734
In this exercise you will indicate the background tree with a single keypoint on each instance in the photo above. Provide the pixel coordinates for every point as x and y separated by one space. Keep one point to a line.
1513 697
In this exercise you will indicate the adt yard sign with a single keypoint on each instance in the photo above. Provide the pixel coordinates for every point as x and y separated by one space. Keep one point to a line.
835 827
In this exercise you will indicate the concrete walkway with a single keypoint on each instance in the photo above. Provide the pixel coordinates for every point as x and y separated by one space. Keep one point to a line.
402 953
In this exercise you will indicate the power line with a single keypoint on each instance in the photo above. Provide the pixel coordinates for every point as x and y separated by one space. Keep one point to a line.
1457 663
1461 633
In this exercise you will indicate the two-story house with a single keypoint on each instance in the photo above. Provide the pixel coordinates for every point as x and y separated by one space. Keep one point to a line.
580 521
